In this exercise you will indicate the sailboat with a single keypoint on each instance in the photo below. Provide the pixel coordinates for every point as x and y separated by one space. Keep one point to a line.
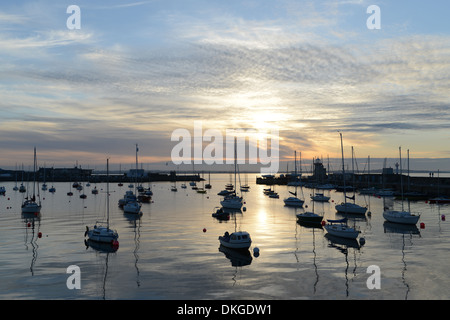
439 199
339 228
347 207
202 189
53 189
245 187
174 187
208 185
44 185
30 205
22 188
101 231
16 187
133 206
294 201
405 217
232 200
309 217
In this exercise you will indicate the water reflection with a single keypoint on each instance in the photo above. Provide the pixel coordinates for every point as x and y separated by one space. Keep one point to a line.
343 245
102 249
406 232
155 246
238 259
313 227
32 233
135 222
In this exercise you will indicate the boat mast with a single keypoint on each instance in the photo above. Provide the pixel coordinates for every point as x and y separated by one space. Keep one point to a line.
135 185
343 168
401 175
34 178
235 161
107 193
295 163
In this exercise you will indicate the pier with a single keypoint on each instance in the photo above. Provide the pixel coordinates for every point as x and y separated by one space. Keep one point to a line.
88 175
426 186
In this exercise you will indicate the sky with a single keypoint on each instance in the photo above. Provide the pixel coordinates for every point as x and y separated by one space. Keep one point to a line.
135 71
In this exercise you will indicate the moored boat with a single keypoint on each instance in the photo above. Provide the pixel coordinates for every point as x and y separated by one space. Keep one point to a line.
293 202
404 217
310 217
320 197
339 228
347 207
236 240
30 205
101 231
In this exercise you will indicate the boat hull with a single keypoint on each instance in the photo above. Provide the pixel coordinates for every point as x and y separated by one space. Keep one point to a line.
132 207
401 217
342 231
439 200
350 208
237 240
293 202
31 208
320 198
232 203
309 217
102 234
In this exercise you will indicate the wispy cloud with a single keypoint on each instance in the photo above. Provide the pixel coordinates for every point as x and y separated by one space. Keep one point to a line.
73 92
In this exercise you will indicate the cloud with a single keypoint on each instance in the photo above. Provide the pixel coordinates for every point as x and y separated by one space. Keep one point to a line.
75 92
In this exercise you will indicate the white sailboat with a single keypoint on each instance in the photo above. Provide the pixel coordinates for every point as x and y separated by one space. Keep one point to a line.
347 207
16 187
294 201
320 197
232 200
339 228
133 206
44 185
404 217
30 205
101 232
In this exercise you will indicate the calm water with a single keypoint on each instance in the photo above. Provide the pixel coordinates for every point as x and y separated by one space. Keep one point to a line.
165 254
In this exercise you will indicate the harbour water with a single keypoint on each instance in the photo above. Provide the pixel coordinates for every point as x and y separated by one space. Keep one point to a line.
172 251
